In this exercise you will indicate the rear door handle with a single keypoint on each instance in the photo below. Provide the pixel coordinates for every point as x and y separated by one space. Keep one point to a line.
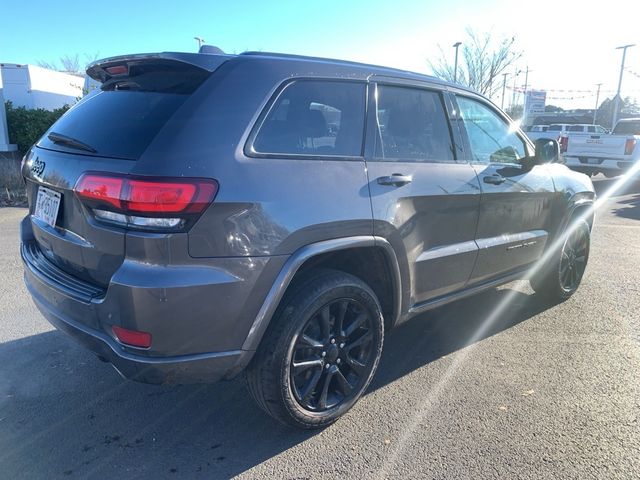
494 179
396 179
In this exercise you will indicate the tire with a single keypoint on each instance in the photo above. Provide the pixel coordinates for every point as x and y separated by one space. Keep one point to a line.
299 372
563 272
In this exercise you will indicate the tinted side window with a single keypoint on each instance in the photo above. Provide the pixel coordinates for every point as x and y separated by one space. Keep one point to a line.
491 138
315 118
575 128
412 125
555 128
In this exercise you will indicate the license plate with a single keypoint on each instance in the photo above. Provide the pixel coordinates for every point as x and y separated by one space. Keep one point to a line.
593 161
47 205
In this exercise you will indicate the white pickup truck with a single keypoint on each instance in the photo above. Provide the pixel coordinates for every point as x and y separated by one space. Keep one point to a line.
610 154
556 131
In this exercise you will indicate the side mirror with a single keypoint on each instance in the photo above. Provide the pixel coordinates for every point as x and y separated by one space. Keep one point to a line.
547 151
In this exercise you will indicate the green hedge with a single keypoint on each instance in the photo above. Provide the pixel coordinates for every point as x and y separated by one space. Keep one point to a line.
27 126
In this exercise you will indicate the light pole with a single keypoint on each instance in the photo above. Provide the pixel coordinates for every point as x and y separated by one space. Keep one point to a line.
200 41
595 112
455 64
504 86
616 103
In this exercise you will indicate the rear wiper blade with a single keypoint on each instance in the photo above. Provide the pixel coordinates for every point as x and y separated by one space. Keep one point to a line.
70 142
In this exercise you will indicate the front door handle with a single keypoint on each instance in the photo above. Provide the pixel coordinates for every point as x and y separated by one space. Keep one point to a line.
395 179
494 179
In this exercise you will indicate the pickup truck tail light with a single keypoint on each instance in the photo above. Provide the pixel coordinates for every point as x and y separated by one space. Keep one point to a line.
629 146
146 203
564 143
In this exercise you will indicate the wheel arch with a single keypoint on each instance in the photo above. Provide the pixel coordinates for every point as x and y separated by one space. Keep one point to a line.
582 206
341 254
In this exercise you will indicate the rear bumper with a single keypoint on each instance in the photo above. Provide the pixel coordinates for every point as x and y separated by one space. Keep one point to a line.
199 312
199 368
610 166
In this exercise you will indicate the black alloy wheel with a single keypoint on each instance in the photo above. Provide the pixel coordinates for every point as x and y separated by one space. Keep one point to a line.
320 351
573 260
561 274
332 355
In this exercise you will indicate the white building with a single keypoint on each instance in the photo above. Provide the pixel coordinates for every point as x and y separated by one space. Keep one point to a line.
5 146
31 86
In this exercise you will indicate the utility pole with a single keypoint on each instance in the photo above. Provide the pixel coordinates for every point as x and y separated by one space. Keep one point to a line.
595 112
524 102
455 64
616 104
526 81
200 41
513 97
504 86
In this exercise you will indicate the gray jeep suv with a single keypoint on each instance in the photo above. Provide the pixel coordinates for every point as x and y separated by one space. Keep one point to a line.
203 215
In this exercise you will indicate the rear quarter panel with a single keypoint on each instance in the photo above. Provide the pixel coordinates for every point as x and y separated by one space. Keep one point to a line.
265 206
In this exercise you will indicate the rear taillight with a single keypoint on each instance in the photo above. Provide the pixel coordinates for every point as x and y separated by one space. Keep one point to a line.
629 146
146 202
564 144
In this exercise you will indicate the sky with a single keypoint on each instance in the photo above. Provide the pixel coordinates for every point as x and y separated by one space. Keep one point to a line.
568 46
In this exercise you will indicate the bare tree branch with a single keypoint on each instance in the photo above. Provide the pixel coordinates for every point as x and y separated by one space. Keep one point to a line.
71 63
483 59
49 65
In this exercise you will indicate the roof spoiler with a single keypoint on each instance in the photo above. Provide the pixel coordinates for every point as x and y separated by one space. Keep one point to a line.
105 69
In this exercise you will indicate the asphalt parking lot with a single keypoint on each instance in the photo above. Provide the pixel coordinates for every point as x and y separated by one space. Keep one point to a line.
538 391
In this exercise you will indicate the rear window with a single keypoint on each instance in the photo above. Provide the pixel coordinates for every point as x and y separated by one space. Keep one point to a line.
318 118
128 111
117 123
627 128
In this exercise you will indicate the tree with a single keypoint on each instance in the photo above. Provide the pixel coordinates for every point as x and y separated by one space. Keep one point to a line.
26 126
604 113
515 111
483 59
630 106
553 109
70 63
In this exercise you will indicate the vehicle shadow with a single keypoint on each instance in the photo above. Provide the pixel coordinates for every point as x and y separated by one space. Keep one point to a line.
602 185
64 414
628 208
452 327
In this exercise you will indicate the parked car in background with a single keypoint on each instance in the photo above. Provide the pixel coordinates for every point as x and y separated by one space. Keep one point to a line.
611 154
562 131
208 214
583 128
535 132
